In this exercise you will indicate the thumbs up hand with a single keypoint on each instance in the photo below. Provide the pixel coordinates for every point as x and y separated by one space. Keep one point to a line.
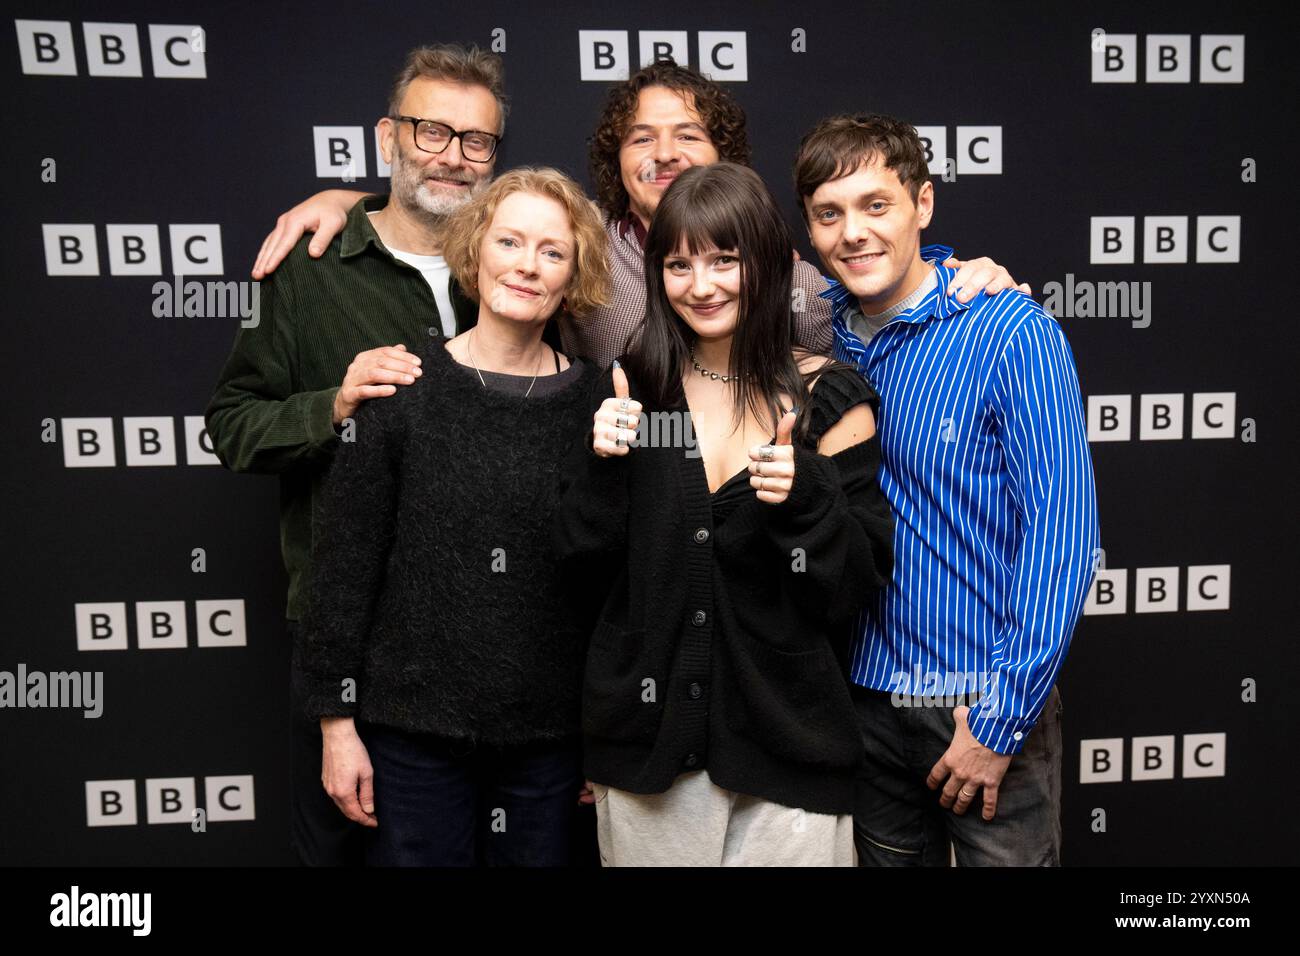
771 467
615 421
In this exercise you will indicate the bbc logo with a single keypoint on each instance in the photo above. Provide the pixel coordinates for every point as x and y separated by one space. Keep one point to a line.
979 149
1157 590
71 249
112 803
148 442
1113 239
1168 58
160 625
721 54
45 48
1160 416
1152 758
340 153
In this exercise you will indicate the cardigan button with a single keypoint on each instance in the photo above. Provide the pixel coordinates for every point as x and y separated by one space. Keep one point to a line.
691 760
695 690
701 535
433 331
698 618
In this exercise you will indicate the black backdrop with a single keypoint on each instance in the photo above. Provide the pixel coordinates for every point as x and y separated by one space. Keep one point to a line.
235 146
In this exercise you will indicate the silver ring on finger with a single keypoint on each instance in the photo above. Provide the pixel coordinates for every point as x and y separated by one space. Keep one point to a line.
767 453
622 421
624 404
620 441
967 795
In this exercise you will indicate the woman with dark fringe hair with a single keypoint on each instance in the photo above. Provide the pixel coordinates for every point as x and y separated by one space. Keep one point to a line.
723 523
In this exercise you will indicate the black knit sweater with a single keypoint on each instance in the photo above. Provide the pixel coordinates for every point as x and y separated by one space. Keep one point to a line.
717 644
434 586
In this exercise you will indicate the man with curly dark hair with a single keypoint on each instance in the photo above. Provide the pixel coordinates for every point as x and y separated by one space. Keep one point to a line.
657 123
625 179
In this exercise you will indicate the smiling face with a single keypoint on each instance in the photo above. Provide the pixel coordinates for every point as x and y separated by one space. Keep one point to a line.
526 258
704 289
665 137
436 184
867 231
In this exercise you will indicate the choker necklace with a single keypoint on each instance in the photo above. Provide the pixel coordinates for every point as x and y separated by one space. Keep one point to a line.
480 374
713 375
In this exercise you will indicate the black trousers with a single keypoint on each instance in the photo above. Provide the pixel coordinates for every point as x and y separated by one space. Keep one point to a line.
897 819
447 802
318 831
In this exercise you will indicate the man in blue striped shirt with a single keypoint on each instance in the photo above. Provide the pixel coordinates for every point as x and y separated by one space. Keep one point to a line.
986 465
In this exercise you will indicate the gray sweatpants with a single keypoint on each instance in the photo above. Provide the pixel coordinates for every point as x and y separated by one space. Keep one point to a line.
697 823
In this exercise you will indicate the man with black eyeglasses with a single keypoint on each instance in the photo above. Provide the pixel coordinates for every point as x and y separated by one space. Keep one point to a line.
341 330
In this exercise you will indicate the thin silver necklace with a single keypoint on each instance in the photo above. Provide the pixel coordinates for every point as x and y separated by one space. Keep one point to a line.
470 350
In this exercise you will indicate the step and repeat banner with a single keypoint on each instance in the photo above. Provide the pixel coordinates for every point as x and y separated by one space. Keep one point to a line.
1133 163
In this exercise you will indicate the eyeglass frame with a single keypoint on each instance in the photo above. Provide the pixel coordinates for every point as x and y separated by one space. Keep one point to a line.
415 122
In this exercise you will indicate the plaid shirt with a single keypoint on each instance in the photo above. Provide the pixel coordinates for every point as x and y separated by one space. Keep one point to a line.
603 335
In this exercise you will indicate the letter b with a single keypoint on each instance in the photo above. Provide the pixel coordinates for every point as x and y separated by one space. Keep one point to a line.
1169 58
45 47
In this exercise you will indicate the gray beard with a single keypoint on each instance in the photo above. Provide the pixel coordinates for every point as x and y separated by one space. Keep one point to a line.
408 190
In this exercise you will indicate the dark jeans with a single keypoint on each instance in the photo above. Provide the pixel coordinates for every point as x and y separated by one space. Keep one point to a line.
443 802
897 819
318 832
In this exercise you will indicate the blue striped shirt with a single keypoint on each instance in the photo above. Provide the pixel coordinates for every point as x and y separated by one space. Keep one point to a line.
986 465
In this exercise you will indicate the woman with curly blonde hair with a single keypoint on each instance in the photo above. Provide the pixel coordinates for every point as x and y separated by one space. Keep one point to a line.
440 662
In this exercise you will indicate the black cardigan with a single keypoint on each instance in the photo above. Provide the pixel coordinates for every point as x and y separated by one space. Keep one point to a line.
711 647
434 587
